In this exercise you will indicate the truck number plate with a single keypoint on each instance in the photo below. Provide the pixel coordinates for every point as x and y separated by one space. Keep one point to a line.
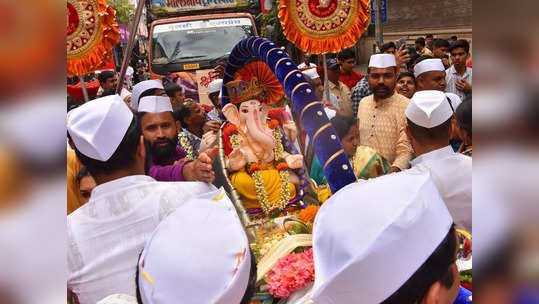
191 66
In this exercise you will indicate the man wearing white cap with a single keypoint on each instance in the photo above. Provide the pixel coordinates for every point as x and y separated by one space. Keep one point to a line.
429 121
144 88
314 79
381 115
213 265
214 94
429 74
106 235
371 245
167 159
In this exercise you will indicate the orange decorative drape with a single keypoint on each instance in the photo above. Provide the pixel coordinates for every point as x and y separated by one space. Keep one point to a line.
92 32
324 26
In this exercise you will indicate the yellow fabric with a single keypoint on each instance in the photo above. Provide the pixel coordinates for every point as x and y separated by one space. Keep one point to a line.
381 127
74 199
368 164
323 194
344 95
245 186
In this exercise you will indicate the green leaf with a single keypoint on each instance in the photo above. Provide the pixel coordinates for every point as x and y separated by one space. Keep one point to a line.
125 11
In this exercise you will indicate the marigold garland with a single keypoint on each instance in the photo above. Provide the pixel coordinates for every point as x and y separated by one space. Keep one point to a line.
308 214
273 124
252 167
281 165
230 132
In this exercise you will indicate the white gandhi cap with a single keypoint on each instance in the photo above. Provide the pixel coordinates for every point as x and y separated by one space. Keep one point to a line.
369 241
209 266
118 299
143 86
215 86
124 93
428 65
382 61
455 100
429 109
99 126
155 104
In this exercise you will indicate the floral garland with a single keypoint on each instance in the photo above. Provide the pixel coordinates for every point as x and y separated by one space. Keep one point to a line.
291 273
187 145
282 167
254 170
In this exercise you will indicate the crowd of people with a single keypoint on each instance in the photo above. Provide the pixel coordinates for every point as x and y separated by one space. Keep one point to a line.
144 226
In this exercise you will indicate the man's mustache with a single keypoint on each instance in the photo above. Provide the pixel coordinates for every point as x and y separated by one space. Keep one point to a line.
159 141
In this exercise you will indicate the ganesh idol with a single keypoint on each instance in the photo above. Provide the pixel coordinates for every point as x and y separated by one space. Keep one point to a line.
257 156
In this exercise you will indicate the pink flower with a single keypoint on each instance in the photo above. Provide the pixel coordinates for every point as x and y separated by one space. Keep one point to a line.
291 273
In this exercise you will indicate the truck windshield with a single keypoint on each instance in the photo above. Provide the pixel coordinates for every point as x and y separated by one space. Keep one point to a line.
198 40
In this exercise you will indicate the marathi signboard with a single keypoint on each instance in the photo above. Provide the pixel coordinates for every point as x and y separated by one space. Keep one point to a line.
164 7
204 77
200 24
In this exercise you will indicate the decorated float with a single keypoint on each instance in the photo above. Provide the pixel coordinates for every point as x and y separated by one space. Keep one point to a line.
261 166
263 169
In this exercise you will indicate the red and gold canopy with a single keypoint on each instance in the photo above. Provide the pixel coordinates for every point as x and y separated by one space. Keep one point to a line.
92 32
324 26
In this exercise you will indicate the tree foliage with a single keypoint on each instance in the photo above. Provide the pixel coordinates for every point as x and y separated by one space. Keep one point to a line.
125 11
274 30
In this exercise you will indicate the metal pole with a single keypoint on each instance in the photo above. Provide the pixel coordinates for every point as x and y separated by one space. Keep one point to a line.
326 83
84 91
378 22
130 43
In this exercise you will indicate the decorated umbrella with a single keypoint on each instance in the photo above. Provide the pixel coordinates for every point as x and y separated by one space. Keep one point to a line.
92 32
324 26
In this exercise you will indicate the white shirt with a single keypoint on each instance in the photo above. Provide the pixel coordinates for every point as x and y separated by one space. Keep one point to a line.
304 65
106 235
452 175
451 78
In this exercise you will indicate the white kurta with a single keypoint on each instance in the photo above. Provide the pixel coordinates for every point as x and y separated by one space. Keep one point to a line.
452 175
107 235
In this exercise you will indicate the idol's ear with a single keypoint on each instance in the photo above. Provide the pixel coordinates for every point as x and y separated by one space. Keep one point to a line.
231 113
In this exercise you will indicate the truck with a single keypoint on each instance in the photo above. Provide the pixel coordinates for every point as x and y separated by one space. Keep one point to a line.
188 38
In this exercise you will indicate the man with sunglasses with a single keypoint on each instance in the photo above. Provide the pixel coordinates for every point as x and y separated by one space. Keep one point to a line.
428 127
